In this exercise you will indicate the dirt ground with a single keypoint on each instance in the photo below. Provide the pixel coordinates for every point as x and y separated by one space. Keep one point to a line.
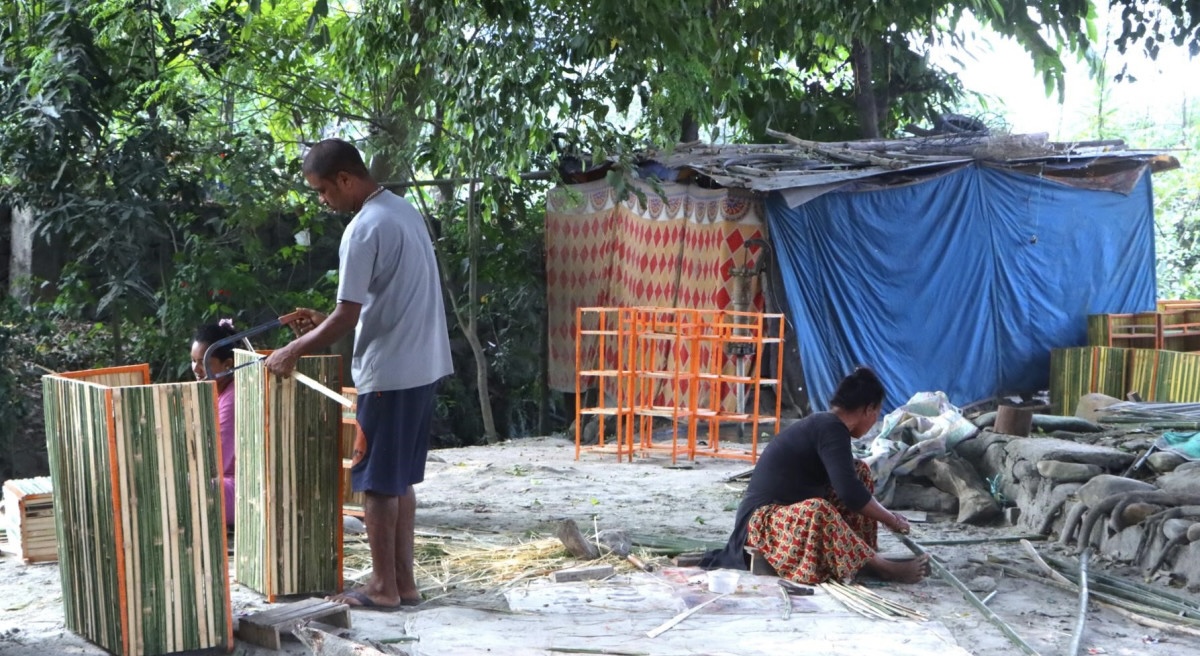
523 488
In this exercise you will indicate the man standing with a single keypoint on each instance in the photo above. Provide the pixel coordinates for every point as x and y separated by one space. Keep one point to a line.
390 295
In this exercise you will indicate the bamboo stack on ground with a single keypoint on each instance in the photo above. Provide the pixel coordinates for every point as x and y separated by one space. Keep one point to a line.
29 520
863 601
135 470
288 524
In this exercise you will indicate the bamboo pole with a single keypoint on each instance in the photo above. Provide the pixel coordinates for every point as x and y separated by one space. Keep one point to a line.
970 596
1081 619
989 540
1103 600
1134 587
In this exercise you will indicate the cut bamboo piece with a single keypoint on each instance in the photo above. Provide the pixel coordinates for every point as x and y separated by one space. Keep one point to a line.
288 522
137 508
666 626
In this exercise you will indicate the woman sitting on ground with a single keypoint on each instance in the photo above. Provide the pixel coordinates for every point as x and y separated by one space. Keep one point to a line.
809 509
221 360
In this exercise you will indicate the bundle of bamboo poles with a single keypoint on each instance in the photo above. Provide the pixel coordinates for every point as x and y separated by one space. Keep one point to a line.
1147 605
135 471
288 521
863 601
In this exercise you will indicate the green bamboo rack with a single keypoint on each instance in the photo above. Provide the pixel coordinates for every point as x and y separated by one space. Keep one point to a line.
288 522
1156 375
141 538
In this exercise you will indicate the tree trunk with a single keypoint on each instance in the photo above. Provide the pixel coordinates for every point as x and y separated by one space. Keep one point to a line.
864 90
472 330
689 129
466 319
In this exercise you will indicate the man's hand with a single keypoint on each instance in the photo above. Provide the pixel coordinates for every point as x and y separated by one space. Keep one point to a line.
307 320
282 361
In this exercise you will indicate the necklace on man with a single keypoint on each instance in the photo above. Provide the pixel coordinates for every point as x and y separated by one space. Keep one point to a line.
378 190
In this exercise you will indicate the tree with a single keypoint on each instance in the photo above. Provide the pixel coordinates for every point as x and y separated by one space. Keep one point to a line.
156 135
109 137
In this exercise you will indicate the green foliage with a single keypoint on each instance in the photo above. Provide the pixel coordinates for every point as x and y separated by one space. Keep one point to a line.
158 140
12 405
170 211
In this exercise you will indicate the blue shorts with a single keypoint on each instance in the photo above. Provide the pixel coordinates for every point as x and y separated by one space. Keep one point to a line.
393 440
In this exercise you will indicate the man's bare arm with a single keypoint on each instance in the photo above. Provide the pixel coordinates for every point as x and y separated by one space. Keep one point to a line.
337 325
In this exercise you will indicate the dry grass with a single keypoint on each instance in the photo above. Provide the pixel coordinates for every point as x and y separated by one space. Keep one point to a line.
474 562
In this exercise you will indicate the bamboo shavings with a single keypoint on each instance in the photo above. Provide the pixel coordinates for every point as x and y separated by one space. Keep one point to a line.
869 604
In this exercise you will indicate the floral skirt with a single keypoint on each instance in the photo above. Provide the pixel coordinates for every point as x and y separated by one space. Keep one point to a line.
815 540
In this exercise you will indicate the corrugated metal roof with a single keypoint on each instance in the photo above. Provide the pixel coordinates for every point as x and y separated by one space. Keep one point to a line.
798 163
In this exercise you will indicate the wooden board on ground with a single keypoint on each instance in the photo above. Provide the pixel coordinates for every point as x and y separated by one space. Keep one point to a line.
267 628
588 573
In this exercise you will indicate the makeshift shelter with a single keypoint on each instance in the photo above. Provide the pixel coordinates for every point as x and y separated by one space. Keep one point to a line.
950 262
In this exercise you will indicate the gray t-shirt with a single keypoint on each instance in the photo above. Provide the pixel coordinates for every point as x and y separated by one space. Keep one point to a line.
388 265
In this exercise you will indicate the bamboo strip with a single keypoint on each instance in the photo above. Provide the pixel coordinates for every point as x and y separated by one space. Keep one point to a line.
1081 613
852 602
894 606
988 540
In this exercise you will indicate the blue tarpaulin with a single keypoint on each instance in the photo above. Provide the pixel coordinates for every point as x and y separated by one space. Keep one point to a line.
960 283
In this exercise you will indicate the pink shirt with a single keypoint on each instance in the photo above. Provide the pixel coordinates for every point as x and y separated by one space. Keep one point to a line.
225 422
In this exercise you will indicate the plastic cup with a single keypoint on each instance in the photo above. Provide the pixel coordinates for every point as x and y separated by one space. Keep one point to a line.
723 581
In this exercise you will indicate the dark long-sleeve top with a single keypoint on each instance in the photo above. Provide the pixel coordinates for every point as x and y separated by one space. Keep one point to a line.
799 463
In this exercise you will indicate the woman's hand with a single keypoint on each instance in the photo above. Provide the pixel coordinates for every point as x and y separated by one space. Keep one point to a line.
898 523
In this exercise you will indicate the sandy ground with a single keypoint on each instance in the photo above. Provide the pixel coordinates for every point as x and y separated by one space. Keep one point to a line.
523 488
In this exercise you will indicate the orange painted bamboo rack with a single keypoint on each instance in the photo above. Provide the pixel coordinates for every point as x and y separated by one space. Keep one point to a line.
684 367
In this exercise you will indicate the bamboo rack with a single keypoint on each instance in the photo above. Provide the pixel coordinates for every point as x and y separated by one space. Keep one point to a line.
288 522
137 506
352 502
29 520
1156 375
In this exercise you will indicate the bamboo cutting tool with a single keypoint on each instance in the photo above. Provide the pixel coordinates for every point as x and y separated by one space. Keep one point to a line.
245 334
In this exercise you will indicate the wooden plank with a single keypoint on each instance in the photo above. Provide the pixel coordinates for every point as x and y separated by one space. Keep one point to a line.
586 573
266 628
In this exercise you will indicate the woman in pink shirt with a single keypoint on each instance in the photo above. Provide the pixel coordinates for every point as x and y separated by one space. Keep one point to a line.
220 361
